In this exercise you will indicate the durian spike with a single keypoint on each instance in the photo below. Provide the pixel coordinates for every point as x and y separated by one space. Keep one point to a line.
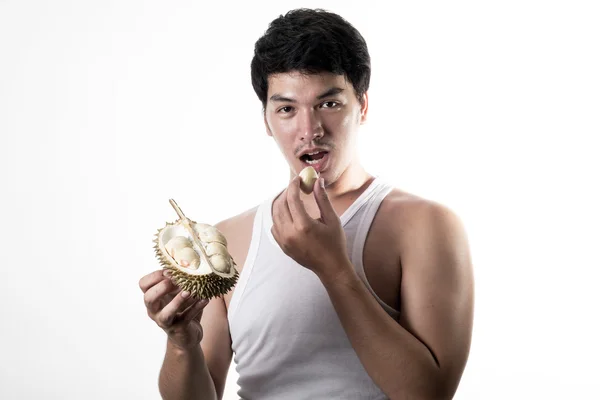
195 238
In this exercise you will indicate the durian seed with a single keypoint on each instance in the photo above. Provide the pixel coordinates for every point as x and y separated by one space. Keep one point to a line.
308 177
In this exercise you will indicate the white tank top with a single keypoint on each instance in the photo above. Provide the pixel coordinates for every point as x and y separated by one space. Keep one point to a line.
287 339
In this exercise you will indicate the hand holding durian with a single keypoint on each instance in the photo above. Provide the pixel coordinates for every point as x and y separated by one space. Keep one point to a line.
317 244
196 256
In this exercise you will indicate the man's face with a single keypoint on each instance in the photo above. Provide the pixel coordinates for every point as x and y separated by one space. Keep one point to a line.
314 113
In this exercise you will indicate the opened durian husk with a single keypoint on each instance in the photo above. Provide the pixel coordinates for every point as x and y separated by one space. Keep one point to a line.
215 273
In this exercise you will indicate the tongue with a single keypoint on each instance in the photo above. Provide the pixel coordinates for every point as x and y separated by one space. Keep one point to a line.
317 156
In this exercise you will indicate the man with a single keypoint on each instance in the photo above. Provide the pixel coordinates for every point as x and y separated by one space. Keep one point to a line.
356 291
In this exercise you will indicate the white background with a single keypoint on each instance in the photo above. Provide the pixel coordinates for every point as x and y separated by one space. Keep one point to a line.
110 108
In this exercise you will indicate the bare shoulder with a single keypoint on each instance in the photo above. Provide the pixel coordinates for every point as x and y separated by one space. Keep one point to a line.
237 224
413 217
410 205
238 232
432 242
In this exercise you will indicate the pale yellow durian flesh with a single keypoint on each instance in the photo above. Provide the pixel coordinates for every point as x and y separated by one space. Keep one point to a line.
210 234
308 177
187 258
178 253
176 243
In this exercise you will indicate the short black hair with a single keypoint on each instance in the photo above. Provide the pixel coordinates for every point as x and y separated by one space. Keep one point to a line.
311 41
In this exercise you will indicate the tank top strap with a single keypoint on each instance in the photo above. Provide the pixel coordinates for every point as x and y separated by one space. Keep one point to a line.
366 217
364 197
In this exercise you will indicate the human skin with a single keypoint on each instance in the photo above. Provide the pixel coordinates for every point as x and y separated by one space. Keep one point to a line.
416 256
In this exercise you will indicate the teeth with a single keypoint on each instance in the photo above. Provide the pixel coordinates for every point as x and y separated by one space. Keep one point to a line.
312 162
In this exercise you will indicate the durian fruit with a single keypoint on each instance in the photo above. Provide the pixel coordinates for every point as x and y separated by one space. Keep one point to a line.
308 177
197 257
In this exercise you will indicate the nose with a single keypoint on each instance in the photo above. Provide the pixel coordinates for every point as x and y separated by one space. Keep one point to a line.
310 126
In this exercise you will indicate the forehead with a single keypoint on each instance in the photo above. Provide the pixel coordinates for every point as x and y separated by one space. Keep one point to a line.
306 86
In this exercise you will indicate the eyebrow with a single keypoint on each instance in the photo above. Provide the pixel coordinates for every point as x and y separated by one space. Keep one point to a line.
330 92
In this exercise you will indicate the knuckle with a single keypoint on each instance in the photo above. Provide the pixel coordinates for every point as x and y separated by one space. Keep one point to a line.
285 246
304 228
147 301
163 321
151 315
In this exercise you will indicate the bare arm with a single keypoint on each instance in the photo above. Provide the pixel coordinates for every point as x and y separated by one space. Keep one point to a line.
185 375
201 371
216 344
198 354
424 357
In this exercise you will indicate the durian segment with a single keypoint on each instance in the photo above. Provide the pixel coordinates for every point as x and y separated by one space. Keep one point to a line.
197 277
216 248
176 229
220 262
219 256
209 234
187 257
176 243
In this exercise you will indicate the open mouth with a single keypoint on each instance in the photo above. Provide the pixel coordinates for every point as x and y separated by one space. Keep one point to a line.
317 160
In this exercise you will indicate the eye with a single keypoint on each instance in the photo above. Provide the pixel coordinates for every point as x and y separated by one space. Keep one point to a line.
330 104
285 110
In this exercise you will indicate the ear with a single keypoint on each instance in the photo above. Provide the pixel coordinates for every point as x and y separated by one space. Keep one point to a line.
364 108
267 124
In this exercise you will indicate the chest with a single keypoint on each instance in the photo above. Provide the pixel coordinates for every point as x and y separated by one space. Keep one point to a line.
380 258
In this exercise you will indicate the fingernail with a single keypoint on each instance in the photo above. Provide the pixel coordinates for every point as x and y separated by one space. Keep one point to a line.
167 273
185 294
322 182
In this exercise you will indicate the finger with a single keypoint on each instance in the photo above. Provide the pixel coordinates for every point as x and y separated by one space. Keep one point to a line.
281 212
194 310
275 233
187 305
166 316
151 279
298 213
275 210
153 295
328 214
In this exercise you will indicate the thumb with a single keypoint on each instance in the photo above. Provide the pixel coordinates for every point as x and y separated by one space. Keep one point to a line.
328 214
